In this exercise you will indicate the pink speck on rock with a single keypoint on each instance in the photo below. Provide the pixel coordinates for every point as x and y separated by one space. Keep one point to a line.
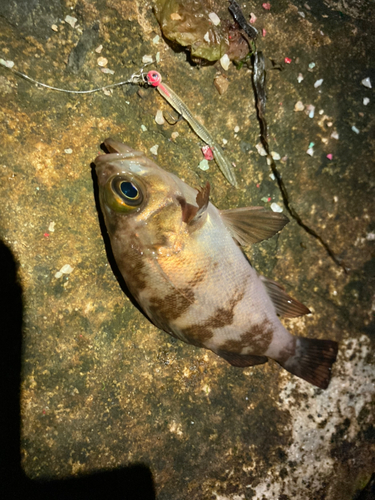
207 153
287 60
330 156
264 32
266 6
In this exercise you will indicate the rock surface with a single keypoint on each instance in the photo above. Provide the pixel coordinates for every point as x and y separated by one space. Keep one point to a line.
103 392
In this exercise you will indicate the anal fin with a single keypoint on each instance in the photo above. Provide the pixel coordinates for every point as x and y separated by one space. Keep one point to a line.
242 360
284 304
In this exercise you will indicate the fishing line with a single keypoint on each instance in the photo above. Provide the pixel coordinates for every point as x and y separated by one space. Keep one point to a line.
137 78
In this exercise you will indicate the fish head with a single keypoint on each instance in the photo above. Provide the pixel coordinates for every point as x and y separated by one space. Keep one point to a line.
137 196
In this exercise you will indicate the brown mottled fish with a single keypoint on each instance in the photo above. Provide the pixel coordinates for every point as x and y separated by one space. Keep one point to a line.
181 260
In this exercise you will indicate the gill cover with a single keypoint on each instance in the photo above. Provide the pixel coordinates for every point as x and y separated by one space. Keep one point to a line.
123 194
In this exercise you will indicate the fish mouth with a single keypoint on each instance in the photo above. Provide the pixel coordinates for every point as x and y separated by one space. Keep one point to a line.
113 146
115 151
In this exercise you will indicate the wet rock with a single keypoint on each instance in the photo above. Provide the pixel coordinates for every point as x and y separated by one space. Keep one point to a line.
87 42
100 387
32 17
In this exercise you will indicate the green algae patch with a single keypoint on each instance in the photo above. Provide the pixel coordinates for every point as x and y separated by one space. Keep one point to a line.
188 24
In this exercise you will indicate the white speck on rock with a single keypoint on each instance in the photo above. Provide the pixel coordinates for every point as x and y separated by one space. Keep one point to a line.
147 59
154 149
259 147
68 151
354 128
102 61
159 118
107 71
318 83
71 20
225 62
366 82
366 100
66 269
276 208
299 106
275 156
310 109
310 152
214 18
7 64
203 165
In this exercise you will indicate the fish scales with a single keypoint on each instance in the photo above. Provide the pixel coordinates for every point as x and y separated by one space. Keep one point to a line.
177 254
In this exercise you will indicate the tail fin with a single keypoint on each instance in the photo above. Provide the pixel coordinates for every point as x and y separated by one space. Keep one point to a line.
313 360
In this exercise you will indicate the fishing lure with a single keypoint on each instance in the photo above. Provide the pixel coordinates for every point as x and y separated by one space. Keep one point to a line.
154 79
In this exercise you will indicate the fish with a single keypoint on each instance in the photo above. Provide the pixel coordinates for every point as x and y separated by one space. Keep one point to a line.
182 261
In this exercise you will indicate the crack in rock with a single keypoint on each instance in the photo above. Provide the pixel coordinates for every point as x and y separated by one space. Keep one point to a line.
259 84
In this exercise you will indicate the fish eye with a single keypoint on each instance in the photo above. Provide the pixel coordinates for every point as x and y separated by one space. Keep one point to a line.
123 194
129 190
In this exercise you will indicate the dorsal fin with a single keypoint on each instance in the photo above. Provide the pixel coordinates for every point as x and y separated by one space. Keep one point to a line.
192 214
203 198
250 225
284 304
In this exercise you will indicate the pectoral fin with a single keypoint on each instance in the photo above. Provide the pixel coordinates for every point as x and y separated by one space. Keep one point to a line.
253 224
284 304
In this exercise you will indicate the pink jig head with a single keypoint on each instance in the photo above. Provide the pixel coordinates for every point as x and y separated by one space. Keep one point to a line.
154 78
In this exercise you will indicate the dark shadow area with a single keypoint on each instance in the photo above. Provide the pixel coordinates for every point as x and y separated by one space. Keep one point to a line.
133 482
368 492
